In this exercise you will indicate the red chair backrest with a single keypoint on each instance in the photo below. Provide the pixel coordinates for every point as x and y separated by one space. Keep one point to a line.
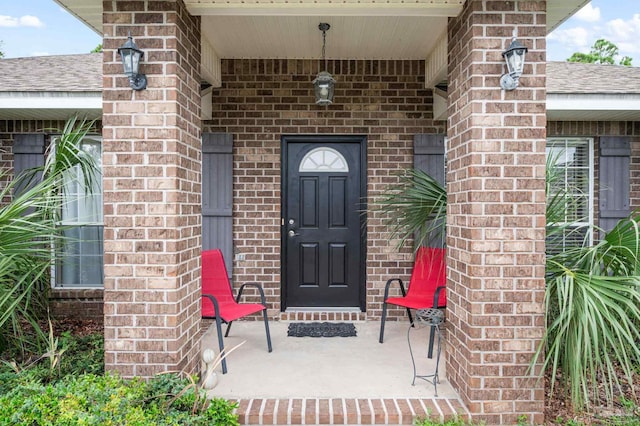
215 280
429 272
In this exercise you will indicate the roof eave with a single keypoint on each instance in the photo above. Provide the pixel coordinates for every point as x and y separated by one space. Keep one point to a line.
593 107
50 105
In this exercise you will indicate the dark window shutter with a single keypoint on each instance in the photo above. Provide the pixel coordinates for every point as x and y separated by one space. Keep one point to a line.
615 153
429 157
217 194
28 152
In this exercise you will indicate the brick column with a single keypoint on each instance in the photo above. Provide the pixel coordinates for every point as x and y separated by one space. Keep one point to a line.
151 163
496 211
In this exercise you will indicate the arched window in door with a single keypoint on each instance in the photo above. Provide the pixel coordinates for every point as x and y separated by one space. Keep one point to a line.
323 159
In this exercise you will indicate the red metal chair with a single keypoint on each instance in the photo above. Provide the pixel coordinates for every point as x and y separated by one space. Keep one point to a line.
218 301
426 287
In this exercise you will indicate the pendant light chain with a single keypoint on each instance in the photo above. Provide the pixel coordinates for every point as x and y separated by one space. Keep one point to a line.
324 43
324 27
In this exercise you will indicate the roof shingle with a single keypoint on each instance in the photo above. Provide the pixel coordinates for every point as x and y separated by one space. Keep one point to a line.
576 77
63 73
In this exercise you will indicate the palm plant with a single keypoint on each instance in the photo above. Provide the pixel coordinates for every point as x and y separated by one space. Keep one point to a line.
30 233
417 210
592 292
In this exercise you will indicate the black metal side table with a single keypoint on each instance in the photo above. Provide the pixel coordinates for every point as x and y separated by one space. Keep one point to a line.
433 318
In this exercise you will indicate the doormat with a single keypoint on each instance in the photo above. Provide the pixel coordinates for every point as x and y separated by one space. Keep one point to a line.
321 329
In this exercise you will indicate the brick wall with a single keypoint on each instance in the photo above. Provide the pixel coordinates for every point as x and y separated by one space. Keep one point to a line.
151 158
495 211
77 303
261 100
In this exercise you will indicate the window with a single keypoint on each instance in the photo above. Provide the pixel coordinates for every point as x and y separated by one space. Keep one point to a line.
81 263
574 170
324 160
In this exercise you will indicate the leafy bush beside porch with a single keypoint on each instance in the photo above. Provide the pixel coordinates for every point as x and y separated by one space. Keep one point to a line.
48 379
75 391
592 292
30 232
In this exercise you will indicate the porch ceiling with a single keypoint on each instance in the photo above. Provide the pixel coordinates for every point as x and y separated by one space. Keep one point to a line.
360 28
350 37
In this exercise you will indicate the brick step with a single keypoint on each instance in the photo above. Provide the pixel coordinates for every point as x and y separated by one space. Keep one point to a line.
347 411
323 315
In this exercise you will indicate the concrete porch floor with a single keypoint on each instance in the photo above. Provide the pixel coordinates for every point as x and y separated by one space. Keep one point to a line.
337 380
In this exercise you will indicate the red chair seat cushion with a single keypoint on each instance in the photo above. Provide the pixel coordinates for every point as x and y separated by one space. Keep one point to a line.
423 302
229 311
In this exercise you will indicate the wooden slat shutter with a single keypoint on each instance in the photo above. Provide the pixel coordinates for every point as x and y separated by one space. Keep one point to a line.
615 153
429 156
217 194
28 152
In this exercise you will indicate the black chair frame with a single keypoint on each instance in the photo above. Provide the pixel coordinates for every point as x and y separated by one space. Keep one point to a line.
220 320
436 297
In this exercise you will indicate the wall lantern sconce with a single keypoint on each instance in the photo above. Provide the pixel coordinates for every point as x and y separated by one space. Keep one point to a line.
324 84
514 57
131 56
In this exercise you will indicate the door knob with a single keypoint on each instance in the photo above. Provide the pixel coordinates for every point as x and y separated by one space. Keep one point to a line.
293 233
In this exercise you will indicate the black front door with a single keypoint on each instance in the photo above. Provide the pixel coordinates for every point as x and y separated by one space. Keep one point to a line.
323 236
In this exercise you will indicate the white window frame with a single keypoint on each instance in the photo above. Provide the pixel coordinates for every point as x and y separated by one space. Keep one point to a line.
589 142
56 265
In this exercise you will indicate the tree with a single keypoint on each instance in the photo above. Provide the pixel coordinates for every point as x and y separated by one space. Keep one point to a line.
97 49
1 51
602 52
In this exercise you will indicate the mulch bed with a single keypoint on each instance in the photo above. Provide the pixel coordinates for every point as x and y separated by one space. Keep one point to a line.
559 411
75 327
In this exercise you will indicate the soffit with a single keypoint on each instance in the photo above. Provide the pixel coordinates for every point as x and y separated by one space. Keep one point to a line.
49 105
350 37
559 11
593 107
281 28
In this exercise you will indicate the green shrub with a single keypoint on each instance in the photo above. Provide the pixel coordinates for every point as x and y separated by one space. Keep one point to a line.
90 399
79 355
457 421
83 355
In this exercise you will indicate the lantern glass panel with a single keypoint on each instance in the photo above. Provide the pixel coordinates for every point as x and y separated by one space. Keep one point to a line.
515 61
323 87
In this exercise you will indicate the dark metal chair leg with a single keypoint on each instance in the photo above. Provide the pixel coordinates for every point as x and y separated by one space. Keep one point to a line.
431 338
410 317
266 328
221 345
226 334
384 318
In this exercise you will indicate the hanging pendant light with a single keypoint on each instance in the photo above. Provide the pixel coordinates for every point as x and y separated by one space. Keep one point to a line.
324 83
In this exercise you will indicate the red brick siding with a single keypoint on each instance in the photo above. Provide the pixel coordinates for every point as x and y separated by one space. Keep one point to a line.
495 211
152 160
261 100
77 303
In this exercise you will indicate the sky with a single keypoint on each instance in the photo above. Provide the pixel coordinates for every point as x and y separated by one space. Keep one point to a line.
42 27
